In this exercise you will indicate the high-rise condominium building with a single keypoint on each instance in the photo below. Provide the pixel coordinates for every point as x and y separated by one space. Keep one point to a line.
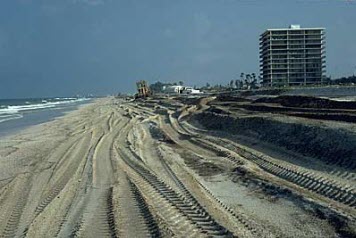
292 56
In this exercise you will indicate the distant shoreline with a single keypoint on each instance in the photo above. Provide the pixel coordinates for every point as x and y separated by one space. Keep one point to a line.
36 117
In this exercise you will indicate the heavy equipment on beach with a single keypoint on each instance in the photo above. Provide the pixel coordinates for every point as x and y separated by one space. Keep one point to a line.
143 90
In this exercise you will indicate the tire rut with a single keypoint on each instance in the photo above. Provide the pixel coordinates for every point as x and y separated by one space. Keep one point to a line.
54 189
317 184
314 183
98 219
133 209
14 216
188 206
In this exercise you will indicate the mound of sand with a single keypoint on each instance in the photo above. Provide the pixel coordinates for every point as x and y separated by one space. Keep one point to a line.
307 102
333 146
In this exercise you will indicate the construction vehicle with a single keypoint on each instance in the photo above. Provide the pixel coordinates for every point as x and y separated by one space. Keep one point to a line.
143 90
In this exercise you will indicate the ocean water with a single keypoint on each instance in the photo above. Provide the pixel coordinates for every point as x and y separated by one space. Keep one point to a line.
16 114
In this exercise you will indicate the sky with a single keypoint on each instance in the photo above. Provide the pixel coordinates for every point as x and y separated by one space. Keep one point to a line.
69 47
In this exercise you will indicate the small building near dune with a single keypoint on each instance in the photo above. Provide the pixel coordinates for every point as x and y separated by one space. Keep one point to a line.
178 89
190 90
173 89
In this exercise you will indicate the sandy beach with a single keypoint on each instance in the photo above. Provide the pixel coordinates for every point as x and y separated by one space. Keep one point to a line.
114 168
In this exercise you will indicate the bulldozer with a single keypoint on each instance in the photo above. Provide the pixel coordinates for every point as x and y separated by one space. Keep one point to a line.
143 90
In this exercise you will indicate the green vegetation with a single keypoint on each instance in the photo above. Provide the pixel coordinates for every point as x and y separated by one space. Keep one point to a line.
351 80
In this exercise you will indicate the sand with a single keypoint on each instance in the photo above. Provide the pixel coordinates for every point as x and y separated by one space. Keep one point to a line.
115 168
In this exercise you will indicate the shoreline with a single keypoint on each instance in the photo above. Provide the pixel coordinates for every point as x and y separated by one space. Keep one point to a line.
35 118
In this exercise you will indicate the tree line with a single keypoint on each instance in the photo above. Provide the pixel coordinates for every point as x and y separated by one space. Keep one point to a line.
351 80
247 81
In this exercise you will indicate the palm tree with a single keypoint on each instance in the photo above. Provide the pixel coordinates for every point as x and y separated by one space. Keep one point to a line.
231 83
248 77
237 84
253 76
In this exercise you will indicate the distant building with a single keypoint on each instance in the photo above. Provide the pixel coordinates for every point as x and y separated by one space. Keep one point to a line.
190 90
178 89
174 89
292 56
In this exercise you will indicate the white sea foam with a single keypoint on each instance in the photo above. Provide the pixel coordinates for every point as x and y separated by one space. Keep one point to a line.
67 99
10 117
345 99
10 110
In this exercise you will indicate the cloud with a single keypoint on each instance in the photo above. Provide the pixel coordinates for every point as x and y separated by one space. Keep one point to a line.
51 9
202 31
25 2
3 42
168 32
207 57
90 2
202 24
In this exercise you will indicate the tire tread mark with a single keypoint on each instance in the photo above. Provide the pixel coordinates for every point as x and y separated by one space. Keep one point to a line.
190 207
